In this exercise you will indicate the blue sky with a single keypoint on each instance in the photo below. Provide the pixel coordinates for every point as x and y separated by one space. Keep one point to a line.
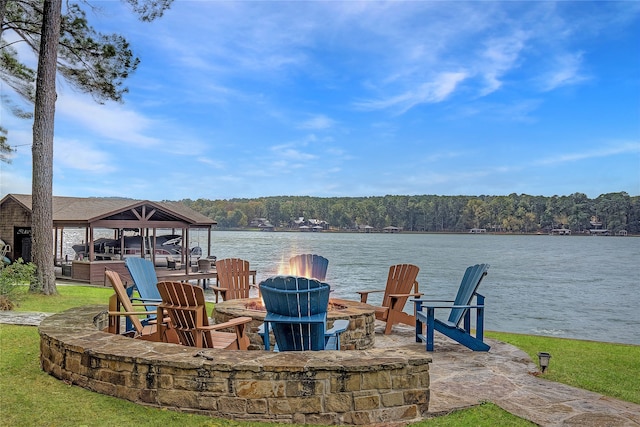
329 99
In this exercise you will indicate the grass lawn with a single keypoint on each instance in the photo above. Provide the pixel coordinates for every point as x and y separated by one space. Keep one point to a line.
31 397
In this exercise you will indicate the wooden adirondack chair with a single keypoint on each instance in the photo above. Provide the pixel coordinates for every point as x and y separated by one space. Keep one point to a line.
145 280
309 265
401 284
233 279
185 306
143 329
460 313
297 313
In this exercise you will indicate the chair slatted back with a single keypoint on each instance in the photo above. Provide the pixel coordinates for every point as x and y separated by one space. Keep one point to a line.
468 288
401 280
185 305
145 279
311 266
122 300
296 298
233 275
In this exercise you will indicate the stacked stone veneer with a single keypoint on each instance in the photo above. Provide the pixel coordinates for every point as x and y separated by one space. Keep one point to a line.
328 387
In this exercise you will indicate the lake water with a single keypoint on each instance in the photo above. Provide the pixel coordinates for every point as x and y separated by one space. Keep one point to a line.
565 286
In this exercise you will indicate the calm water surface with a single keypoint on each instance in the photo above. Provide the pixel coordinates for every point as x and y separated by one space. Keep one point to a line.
567 286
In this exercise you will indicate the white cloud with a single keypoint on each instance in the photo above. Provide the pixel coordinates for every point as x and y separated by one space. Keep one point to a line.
84 158
216 164
434 91
605 151
499 57
288 152
566 71
112 121
12 182
317 122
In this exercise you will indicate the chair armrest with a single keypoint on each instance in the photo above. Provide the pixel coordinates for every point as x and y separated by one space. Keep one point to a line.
230 324
365 294
339 326
370 291
219 292
128 313
146 304
405 295
453 306
150 301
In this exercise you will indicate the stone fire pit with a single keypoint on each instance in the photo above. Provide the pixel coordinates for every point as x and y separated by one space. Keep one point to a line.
369 387
359 336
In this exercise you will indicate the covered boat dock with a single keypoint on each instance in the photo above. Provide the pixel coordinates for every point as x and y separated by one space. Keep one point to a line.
99 213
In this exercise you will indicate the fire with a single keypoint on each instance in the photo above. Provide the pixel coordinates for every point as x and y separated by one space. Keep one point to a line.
255 305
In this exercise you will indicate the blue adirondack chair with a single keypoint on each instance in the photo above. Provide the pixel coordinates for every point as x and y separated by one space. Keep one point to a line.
460 313
297 314
145 280
309 265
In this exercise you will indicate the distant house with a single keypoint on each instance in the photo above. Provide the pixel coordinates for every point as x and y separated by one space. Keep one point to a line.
391 229
266 226
364 228
478 230
262 223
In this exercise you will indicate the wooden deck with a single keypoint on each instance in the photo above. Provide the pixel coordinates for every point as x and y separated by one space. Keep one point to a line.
93 273
202 278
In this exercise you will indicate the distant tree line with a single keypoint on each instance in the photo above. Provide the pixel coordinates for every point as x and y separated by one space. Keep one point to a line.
430 213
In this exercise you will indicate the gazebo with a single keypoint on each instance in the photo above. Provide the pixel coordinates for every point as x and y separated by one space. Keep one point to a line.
117 214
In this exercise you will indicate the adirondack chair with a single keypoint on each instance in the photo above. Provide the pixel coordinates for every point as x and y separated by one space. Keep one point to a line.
401 284
233 279
297 313
145 280
143 329
309 265
185 306
460 313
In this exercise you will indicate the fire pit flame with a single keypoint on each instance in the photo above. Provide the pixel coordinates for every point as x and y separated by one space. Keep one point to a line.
258 305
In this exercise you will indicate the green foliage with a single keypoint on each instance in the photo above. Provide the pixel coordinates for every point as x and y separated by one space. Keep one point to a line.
12 277
428 213
92 62
5 149
484 415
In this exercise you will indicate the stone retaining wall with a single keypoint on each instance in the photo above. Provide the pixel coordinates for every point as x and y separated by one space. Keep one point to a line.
329 387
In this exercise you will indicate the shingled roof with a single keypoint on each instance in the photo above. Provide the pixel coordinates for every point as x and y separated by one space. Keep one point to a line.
79 210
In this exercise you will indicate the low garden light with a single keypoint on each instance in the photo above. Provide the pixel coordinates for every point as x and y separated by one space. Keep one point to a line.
543 358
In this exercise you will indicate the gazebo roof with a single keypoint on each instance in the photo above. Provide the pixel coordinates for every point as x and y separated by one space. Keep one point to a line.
111 211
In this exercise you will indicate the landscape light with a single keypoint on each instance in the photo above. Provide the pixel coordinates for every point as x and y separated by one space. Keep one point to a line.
544 360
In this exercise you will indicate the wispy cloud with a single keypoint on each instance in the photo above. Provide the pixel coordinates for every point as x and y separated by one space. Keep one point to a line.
317 122
84 158
566 70
604 151
430 92
500 56
114 122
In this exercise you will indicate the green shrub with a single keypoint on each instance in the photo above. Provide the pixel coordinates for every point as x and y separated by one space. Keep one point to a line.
12 276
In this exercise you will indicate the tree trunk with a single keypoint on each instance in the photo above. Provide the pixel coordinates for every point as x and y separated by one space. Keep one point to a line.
42 150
